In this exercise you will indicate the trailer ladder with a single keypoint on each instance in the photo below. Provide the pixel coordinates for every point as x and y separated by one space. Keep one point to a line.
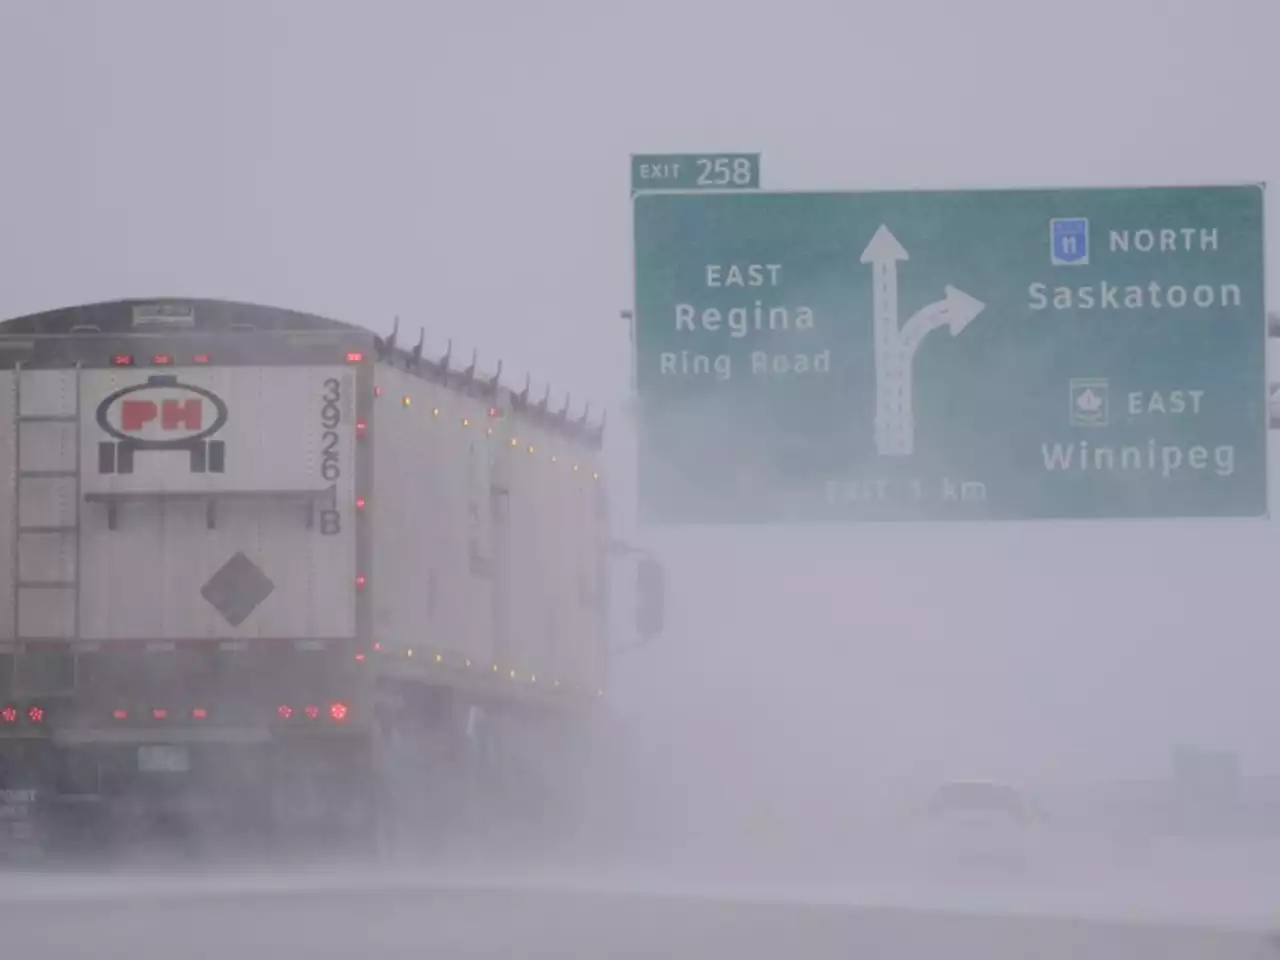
46 525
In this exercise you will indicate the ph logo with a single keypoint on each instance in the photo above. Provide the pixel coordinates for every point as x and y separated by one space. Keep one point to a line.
1069 241
161 414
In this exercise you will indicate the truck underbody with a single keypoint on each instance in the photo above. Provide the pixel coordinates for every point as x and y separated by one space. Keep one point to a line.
410 769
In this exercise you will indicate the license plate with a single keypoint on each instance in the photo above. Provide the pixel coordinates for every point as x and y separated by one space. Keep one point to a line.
164 759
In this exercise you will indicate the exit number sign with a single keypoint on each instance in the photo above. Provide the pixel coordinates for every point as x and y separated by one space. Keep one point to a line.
695 171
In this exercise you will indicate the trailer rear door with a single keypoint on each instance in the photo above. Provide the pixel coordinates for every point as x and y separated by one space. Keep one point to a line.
217 502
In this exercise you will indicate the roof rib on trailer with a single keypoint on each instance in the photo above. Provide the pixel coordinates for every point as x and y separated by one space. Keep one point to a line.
205 316
135 316
467 379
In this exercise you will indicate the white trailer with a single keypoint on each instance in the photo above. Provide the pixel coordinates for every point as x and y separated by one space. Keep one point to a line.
266 556
491 533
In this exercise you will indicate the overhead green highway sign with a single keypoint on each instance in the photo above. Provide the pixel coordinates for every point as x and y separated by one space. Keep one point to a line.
1013 354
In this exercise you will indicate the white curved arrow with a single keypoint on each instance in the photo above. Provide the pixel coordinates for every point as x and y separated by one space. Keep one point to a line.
956 311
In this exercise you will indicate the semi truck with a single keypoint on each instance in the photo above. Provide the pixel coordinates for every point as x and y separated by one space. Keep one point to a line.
266 574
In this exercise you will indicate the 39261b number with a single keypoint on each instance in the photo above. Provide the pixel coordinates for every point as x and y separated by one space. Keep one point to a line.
330 418
330 458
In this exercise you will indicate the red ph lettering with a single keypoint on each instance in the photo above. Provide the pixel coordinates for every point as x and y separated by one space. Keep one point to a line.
136 414
181 413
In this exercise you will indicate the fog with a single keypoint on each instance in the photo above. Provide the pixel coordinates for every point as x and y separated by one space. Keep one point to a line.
464 166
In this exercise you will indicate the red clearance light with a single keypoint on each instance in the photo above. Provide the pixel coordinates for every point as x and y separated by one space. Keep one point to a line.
312 712
122 360
119 714
35 714
338 711
361 428
354 356
199 713
200 358
9 714
159 713
162 359
377 645
495 412
359 658
360 502
377 391
360 581
284 711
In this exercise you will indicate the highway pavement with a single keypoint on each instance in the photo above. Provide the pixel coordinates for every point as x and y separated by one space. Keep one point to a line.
336 911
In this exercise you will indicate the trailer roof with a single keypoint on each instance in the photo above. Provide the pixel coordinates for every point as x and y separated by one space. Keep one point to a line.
121 317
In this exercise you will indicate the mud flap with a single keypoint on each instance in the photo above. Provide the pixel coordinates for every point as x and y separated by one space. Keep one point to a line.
22 824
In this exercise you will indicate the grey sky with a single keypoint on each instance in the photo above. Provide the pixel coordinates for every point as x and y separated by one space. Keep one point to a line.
464 165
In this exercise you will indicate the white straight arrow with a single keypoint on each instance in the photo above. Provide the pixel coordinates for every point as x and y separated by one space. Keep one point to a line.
883 253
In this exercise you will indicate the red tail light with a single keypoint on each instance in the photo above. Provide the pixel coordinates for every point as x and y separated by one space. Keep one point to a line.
122 360
35 714
159 713
312 712
338 711
162 359
200 358
284 711
9 715
120 714
199 713
354 356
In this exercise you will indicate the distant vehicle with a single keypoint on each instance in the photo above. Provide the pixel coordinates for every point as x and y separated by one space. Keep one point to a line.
265 569
982 823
